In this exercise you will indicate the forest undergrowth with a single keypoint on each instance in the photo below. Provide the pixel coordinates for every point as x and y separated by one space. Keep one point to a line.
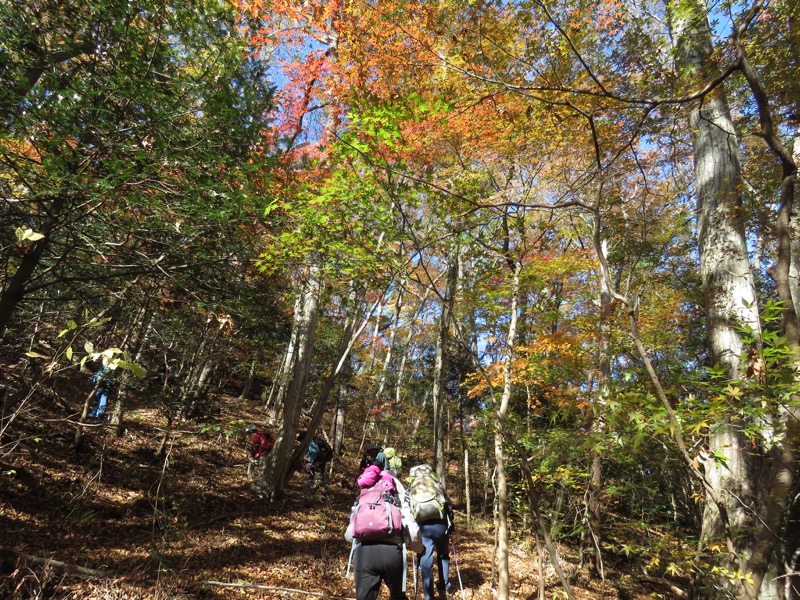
112 521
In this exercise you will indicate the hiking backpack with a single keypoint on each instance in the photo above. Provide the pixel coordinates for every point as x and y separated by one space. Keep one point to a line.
324 452
261 443
427 496
376 514
394 461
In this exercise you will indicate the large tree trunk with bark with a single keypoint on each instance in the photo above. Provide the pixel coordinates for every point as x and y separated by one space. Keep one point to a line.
279 461
728 286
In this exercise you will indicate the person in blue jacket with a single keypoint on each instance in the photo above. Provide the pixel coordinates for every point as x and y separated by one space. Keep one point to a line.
106 383
318 456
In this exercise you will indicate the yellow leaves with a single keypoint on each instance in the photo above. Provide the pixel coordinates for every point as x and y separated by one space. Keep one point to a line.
734 392
28 235
477 383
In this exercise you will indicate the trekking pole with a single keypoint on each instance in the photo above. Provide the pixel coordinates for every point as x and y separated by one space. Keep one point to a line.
350 560
414 566
455 558
405 567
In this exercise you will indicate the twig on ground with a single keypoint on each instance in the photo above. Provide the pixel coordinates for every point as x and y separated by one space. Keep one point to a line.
254 586
674 589
70 569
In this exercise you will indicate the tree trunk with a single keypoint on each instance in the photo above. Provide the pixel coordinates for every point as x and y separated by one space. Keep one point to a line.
440 364
499 456
467 488
16 288
593 508
272 482
287 366
248 385
777 477
144 326
727 283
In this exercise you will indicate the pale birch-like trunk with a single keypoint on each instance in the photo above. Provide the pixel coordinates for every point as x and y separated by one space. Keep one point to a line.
349 337
727 283
592 505
467 486
124 390
398 307
412 331
287 365
272 481
499 456
337 433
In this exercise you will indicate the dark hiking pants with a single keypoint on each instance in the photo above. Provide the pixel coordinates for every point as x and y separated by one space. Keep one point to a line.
374 563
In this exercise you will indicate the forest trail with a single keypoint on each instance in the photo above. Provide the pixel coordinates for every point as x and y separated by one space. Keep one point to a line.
119 524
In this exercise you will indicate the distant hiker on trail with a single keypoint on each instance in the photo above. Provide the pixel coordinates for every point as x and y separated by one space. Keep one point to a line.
433 511
259 444
374 455
317 457
394 461
380 523
106 382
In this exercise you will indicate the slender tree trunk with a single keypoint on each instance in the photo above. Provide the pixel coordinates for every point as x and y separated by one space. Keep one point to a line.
287 365
467 488
593 508
337 435
778 475
248 385
499 456
144 327
440 367
487 469
398 307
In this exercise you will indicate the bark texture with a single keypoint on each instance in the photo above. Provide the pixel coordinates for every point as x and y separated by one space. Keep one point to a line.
728 286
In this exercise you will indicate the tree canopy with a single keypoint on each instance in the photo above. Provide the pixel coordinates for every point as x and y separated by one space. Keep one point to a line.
550 247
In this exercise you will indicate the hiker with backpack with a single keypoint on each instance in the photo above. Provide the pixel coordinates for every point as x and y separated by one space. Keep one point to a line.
374 455
433 511
318 455
395 462
259 444
106 383
380 524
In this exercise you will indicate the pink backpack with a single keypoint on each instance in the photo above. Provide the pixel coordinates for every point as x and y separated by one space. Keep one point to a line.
376 514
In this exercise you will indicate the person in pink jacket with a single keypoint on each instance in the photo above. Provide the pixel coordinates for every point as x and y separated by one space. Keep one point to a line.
384 559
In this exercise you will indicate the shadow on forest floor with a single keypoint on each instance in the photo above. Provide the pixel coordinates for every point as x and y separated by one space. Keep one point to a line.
112 522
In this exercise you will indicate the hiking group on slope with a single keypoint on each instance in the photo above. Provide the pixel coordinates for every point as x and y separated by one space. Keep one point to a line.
387 518
318 454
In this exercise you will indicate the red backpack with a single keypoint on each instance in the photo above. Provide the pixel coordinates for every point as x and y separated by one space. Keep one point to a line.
376 513
261 443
